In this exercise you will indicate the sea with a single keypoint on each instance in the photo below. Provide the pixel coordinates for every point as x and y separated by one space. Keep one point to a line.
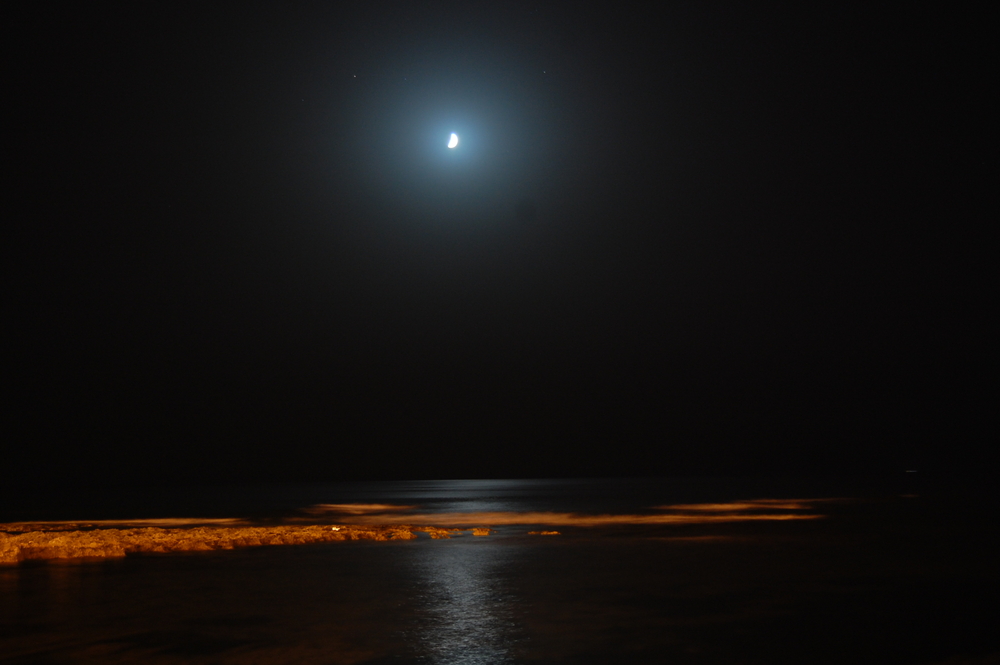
656 570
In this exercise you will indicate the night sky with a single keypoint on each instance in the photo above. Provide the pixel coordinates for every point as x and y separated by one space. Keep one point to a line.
683 239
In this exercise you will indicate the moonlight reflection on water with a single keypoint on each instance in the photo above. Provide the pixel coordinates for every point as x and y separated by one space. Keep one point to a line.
467 609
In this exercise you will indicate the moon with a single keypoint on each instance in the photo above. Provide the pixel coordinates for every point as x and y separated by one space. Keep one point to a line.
453 141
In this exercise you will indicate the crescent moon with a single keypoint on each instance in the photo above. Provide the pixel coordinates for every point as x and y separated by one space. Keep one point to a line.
453 141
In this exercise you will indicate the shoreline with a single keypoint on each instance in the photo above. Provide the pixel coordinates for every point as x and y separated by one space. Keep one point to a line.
23 541
82 540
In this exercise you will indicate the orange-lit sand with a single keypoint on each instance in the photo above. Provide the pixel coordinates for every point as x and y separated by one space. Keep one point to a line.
21 542
754 510
357 508
753 504
117 538
568 519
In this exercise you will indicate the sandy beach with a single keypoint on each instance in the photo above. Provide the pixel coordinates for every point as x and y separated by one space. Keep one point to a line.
26 541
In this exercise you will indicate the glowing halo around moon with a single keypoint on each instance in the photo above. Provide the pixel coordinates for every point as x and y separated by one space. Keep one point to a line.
453 141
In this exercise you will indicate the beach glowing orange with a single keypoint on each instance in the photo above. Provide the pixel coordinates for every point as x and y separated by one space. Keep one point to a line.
356 508
683 514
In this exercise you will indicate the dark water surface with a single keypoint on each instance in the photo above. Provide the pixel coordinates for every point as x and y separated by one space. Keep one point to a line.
893 574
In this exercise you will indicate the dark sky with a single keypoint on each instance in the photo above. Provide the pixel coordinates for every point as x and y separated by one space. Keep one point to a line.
709 238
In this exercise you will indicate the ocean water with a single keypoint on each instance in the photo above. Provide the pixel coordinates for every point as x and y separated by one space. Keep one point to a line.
642 571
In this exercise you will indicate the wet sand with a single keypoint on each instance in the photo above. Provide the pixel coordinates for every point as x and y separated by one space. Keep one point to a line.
27 541
24 541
